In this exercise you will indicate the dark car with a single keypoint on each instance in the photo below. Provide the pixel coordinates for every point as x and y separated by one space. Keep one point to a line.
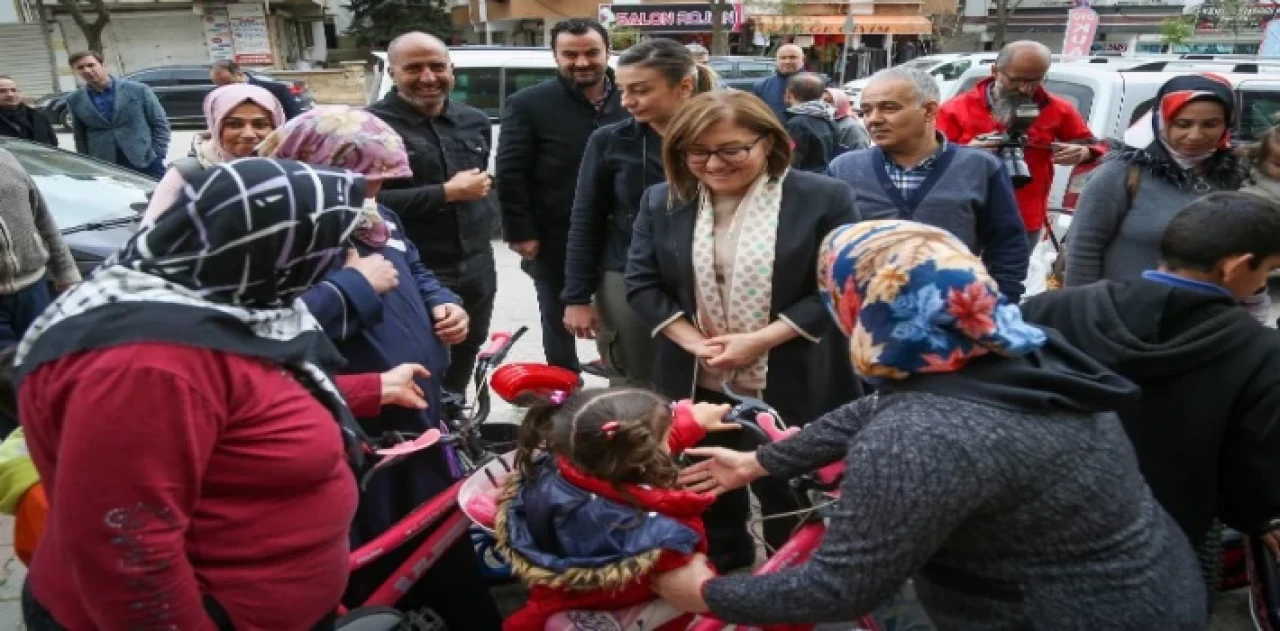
742 73
96 205
181 90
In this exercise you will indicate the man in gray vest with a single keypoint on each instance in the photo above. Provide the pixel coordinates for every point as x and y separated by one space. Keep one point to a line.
913 173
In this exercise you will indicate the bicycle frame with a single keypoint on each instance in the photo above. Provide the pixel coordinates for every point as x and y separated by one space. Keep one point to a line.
442 508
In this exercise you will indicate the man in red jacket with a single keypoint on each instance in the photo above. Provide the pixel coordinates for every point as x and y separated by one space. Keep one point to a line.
1058 136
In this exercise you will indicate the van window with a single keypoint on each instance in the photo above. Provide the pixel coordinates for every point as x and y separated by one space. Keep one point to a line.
752 69
478 87
1141 110
518 79
1258 110
1080 96
953 70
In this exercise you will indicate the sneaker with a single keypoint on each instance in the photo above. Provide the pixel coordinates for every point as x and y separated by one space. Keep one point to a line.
596 368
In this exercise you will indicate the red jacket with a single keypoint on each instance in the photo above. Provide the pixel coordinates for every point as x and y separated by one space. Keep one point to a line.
968 116
684 507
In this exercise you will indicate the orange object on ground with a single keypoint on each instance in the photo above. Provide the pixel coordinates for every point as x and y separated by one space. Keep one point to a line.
28 523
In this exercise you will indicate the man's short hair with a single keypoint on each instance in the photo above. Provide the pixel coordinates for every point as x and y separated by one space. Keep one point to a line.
5 77
228 65
1220 225
697 49
578 26
806 86
76 57
926 88
1010 50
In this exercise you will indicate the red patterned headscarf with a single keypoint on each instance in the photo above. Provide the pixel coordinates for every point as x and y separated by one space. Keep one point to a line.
1179 92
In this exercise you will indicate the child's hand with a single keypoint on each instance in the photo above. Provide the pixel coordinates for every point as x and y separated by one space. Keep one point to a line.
711 417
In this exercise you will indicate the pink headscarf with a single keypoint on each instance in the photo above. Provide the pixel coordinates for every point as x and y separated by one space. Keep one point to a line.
343 137
844 107
219 103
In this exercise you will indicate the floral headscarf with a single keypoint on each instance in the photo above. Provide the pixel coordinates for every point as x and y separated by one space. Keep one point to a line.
347 138
914 299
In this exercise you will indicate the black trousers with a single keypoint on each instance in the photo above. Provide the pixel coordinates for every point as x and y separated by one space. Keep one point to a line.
475 280
558 344
730 546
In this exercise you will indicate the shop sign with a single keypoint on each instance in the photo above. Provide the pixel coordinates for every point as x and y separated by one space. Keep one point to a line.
249 35
1235 16
217 34
668 18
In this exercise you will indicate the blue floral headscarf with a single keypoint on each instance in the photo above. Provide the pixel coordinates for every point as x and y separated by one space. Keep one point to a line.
914 299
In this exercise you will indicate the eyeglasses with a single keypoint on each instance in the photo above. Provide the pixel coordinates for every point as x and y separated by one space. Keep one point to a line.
1019 82
728 155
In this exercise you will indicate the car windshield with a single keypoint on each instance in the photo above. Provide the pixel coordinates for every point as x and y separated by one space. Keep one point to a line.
923 63
80 190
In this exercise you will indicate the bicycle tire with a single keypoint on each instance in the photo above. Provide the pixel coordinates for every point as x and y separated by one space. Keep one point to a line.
370 619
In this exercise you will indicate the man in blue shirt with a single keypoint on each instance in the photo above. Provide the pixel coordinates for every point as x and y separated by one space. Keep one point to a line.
773 90
117 121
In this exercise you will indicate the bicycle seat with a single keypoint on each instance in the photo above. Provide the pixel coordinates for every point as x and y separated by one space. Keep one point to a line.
478 495
643 617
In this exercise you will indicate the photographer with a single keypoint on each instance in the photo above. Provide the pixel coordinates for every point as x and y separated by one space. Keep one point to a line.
1058 135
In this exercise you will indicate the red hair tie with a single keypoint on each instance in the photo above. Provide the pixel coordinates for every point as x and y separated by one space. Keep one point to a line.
609 429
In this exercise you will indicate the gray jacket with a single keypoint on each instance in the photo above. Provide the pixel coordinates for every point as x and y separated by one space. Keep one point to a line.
139 126
30 243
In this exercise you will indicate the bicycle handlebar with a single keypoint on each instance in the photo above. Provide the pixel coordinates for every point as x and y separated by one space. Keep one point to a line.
761 420
499 344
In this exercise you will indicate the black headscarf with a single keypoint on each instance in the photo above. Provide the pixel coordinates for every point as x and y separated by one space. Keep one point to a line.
222 269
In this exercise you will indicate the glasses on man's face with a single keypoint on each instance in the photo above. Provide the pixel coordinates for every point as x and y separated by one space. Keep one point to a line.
732 154
1020 82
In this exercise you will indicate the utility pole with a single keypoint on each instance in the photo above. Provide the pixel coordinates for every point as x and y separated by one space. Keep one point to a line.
848 37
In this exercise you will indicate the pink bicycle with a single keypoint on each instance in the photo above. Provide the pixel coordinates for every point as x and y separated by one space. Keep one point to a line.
476 449
817 490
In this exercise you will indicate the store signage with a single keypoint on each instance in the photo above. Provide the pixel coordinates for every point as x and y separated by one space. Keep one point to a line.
249 35
1082 26
1236 16
217 34
668 18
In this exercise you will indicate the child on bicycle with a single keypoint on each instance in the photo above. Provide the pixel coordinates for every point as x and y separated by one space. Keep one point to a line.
593 509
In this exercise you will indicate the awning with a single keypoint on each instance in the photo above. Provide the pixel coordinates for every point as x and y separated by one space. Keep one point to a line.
834 24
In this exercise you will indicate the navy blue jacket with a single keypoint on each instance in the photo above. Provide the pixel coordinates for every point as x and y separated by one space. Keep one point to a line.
376 333
288 101
773 91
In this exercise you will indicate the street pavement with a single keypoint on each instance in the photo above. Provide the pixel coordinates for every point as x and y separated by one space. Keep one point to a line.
516 306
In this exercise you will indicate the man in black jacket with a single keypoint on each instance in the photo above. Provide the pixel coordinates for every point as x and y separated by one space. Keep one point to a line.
1207 429
446 207
544 134
19 120
228 72
810 123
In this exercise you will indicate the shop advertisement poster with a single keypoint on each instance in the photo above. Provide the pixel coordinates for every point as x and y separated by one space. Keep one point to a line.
249 35
217 34
1082 26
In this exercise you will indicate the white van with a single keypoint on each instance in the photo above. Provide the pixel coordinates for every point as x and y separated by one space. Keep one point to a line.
945 68
1112 100
483 77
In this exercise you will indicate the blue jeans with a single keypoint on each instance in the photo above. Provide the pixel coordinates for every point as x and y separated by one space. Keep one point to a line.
20 308
558 344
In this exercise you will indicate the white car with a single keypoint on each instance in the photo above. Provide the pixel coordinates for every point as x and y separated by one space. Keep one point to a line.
945 68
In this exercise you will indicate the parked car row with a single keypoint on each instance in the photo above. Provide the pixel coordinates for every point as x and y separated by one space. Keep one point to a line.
181 90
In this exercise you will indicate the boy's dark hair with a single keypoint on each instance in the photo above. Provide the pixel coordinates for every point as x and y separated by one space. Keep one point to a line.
806 86
228 65
76 57
1219 225
633 453
578 26
8 394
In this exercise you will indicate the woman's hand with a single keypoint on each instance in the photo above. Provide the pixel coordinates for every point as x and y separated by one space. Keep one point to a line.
451 323
737 350
682 587
711 417
702 349
723 470
376 269
399 387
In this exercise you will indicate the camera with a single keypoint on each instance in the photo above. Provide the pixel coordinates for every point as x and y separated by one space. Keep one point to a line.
1013 143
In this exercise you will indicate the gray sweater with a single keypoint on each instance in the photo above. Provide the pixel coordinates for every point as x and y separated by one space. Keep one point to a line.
30 243
1050 508
1113 239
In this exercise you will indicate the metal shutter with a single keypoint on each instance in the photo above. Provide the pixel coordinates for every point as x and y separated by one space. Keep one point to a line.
25 56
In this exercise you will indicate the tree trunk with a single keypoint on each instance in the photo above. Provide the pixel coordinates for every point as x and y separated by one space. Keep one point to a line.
92 30
719 39
1002 22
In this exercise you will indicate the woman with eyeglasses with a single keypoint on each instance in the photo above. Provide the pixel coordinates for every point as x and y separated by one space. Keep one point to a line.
621 160
721 271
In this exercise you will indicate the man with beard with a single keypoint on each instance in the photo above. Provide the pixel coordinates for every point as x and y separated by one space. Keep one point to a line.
1058 136
446 212
446 208
544 134
18 120
913 172
773 90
